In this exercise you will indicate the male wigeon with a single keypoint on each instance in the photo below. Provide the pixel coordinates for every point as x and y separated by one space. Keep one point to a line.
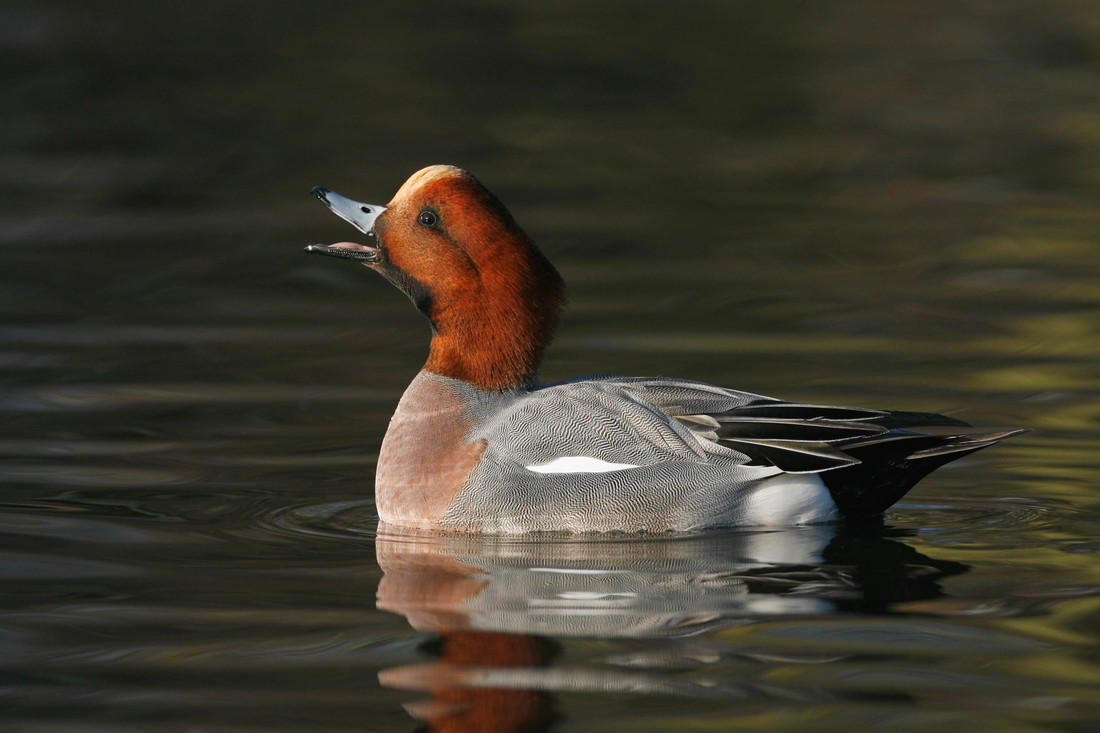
477 445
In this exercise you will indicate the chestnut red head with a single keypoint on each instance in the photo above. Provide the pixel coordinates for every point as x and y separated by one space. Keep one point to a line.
449 244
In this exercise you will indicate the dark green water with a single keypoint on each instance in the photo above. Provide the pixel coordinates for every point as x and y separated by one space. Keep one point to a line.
893 205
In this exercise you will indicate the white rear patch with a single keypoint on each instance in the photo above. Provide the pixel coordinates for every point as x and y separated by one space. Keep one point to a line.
579 464
789 499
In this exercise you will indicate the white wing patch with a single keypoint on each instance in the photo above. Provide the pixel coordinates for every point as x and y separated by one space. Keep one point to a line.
578 464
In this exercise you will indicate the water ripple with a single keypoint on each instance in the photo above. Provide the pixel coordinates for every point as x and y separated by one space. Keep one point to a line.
355 519
964 516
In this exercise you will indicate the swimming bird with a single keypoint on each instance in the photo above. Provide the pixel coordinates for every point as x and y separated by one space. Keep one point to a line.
478 445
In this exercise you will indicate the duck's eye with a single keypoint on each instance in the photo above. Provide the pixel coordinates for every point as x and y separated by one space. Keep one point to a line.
428 218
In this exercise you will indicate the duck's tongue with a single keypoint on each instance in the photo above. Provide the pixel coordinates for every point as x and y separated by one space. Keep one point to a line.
347 250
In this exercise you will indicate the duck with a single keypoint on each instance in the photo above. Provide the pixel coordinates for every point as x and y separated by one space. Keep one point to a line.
478 445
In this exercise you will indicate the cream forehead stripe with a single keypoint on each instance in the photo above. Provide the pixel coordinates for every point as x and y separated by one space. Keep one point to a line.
578 464
425 176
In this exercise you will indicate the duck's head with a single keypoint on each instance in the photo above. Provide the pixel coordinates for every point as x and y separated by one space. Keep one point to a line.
449 244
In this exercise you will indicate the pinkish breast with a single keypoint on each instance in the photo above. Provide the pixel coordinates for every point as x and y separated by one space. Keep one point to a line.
425 460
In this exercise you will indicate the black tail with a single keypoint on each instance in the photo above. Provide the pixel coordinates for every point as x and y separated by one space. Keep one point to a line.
868 459
891 464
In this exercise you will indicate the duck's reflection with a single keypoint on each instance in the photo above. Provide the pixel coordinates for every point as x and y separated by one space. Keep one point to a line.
499 604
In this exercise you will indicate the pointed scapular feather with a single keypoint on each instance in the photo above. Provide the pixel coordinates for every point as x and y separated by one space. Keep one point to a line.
963 444
799 411
901 419
791 457
825 431
703 420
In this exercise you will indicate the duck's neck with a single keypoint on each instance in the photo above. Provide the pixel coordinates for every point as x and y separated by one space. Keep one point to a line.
488 358
496 340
